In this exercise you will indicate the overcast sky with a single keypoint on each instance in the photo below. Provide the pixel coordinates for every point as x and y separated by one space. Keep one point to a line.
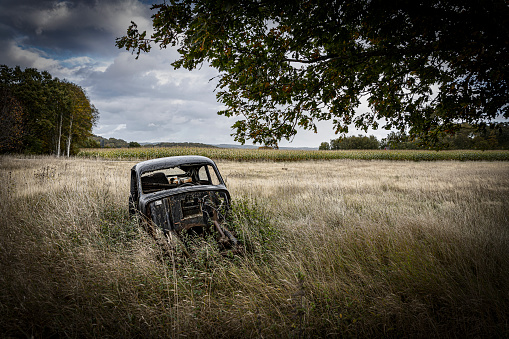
142 100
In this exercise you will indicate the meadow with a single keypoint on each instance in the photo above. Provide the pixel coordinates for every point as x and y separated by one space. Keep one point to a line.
335 248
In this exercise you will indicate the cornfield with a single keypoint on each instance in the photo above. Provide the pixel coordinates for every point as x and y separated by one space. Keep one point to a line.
293 155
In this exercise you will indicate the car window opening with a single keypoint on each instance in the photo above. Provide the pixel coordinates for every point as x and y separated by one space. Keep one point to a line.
180 176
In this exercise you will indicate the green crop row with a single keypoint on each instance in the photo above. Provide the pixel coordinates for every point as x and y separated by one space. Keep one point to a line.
293 155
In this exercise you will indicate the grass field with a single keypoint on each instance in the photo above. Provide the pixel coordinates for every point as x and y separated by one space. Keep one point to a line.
339 248
293 155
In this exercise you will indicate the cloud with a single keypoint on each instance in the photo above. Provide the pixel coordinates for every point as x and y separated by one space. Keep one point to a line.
156 102
73 27
119 128
154 118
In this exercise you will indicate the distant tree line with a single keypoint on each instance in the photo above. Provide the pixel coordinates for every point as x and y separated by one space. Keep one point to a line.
465 137
96 141
41 114
179 144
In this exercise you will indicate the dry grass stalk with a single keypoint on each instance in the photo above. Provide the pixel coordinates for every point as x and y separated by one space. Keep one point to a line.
338 248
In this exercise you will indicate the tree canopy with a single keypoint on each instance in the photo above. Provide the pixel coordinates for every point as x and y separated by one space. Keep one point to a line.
422 66
42 114
355 142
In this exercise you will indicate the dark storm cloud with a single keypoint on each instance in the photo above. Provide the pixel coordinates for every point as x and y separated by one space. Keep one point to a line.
60 29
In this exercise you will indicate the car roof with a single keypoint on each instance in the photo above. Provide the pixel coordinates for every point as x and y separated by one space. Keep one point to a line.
159 163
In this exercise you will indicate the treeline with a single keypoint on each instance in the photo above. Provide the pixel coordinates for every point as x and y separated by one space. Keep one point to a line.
465 137
101 142
179 144
41 114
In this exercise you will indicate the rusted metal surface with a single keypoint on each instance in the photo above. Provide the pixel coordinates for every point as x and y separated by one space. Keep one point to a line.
184 194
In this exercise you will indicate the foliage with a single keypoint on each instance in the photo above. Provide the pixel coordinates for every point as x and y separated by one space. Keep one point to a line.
324 146
82 116
134 144
11 122
495 137
110 142
399 140
285 65
254 229
41 114
464 137
294 155
355 142
90 143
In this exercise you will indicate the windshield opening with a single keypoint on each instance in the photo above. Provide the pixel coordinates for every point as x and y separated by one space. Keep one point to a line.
179 176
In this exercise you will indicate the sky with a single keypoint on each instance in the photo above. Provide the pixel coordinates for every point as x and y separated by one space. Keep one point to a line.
143 100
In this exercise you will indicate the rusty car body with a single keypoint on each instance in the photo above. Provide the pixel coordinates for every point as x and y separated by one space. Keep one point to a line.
181 194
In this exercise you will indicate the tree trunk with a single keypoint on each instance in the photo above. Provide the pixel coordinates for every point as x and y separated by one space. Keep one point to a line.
69 138
59 136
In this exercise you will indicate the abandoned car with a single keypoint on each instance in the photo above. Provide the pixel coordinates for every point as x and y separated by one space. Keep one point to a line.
181 194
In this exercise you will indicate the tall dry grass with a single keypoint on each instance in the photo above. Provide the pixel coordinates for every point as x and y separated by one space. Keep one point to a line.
333 248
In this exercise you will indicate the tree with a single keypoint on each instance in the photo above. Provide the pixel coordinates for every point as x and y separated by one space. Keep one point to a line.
462 138
90 143
35 93
288 64
324 146
82 116
400 140
11 122
355 142
42 114
503 135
